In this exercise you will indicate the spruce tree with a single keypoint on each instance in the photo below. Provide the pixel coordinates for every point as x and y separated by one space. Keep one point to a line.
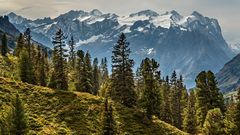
108 128
19 122
87 79
42 74
20 45
216 99
4 48
26 72
176 95
96 83
122 74
79 70
151 98
237 113
72 55
104 70
27 37
190 120
59 77
208 96
166 114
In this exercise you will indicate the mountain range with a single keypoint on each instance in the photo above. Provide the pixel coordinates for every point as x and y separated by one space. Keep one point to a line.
187 44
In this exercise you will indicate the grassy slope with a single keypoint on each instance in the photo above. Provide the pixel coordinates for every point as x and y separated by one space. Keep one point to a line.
52 112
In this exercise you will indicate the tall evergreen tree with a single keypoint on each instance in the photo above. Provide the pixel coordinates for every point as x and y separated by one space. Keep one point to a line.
166 114
79 70
42 74
88 74
176 95
208 96
122 74
151 98
237 112
190 120
27 36
96 77
26 72
4 48
216 99
104 70
59 77
72 55
19 122
20 45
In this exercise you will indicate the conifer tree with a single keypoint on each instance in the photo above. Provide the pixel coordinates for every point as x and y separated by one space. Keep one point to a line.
151 98
108 128
4 48
26 72
213 124
59 76
79 70
237 113
208 96
20 45
96 83
42 74
27 36
166 114
19 122
122 74
190 120
88 74
72 54
176 95
104 70
216 99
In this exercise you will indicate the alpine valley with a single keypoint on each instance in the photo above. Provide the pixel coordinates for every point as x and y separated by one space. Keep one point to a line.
187 44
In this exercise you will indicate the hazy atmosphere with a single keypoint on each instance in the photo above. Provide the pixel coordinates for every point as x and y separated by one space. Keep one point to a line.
223 10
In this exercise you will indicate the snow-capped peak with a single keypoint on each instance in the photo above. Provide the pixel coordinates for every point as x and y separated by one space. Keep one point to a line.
145 13
96 12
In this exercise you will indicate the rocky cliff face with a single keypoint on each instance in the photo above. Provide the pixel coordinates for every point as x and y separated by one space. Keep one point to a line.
187 44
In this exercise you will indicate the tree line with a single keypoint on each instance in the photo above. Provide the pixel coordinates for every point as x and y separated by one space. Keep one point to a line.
200 110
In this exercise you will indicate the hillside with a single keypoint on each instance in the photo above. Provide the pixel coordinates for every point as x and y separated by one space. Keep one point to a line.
59 112
52 112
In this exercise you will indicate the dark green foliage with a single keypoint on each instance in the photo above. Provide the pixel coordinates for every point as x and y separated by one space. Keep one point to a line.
79 70
237 113
122 74
19 122
208 96
104 70
4 48
20 45
84 73
96 77
26 72
108 128
151 96
166 114
214 124
176 90
88 77
27 38
190 120
72 55
59 77
42 74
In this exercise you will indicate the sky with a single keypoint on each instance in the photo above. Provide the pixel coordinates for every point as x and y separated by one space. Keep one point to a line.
226 11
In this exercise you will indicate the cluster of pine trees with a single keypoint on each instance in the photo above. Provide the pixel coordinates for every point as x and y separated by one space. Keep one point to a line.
200 110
